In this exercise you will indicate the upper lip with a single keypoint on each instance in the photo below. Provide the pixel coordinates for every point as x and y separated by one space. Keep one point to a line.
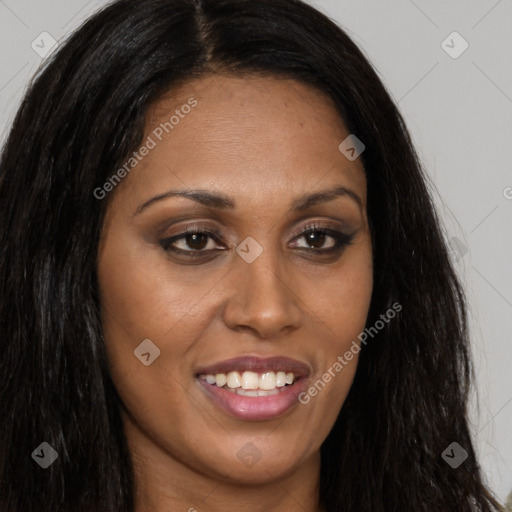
258 365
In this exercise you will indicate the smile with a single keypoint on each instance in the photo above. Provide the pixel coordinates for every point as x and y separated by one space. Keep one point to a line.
258 389
251 383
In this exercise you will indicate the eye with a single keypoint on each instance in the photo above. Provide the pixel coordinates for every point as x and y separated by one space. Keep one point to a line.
195 238
196 242
316 236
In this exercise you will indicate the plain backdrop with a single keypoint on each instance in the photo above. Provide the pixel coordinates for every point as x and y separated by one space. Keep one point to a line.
448 65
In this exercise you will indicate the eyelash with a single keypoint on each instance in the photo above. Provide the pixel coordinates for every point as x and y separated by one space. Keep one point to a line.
341 240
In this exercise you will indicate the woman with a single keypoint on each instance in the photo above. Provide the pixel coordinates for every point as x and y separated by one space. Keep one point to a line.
223 282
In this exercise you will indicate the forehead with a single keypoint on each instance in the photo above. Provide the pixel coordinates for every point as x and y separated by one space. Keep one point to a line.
245 136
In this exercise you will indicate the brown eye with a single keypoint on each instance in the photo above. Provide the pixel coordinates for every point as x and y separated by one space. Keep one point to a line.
193 241
196 241
316 237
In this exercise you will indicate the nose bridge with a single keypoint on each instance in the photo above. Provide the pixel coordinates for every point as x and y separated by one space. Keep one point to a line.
262 299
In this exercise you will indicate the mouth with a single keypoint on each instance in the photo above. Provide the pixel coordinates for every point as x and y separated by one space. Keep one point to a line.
254 388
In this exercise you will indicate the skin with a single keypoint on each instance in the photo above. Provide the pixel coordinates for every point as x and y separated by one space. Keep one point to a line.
262 141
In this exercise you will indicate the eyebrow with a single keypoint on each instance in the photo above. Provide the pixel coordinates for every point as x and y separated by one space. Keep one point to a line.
222 201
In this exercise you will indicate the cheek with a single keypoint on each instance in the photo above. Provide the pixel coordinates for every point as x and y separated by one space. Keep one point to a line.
142 294
141 300
135 304
342 305
341 298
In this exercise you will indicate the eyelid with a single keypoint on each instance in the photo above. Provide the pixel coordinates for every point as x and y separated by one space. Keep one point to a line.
192 224
341 237
333 224
321 225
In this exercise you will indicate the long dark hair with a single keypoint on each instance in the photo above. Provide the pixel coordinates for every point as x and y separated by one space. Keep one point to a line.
83 114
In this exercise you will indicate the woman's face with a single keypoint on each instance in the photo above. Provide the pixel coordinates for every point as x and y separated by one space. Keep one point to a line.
264 295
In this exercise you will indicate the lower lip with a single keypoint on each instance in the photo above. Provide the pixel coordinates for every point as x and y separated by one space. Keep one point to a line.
255 407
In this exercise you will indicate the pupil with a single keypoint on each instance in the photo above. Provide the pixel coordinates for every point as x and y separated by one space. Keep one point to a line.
195 236
312 238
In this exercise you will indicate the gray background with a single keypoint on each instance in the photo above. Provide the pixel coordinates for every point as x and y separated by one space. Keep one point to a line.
459 111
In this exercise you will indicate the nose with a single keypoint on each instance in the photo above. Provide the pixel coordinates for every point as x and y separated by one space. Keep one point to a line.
262 299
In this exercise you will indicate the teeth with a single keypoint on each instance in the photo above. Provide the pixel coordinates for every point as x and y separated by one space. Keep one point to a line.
251 383
233 380
252 392
262 392
267 381
247 392
280 379
220 379
250 380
